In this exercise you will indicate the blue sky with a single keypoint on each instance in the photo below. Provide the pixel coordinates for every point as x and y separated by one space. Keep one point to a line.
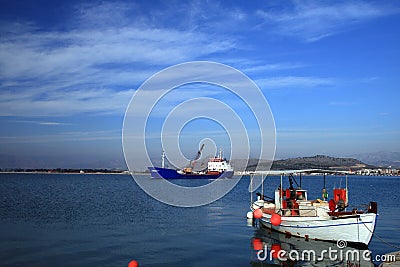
329 71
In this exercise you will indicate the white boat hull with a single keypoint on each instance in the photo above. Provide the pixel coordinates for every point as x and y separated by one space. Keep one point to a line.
354 228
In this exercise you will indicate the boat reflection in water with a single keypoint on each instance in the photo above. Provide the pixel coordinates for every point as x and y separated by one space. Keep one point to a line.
271 248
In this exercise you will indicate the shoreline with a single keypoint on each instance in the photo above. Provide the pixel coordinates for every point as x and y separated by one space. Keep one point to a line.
144 173
43 172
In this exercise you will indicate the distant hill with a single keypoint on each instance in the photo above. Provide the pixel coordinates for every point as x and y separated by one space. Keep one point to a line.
315 162
244 164
380 159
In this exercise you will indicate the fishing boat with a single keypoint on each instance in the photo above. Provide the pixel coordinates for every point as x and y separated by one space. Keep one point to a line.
217 167
291 212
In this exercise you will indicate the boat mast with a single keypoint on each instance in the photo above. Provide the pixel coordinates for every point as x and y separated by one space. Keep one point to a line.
300 181
251 188
262 186
347 193
163 159
281 195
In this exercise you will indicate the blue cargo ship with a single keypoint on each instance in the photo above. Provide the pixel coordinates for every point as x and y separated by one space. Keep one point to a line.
217 167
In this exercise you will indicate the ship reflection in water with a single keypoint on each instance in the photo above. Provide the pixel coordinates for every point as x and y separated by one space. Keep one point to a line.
271 248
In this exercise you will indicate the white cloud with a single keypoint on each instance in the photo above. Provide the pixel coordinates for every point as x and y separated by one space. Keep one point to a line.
106 50
314 20
311 133
296 82
46 123
271 67
28 56
62 103
89 67
62 137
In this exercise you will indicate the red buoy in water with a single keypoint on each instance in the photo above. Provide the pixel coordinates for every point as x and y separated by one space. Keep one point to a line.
257 213
133 263
275 219
257 244
275 250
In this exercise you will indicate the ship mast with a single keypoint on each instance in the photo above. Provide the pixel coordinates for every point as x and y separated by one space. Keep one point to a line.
163 160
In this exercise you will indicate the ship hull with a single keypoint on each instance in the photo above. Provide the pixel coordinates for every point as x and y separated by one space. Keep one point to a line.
165 173
356 229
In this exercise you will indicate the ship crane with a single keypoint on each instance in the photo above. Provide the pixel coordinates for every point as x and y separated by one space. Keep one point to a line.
194 161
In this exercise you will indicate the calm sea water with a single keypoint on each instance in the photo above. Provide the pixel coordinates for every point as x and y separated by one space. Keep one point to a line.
107 220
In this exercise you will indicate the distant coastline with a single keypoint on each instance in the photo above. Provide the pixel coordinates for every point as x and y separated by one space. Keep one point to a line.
68 171
350 165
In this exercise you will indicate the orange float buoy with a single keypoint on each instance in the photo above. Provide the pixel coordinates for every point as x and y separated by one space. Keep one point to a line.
257 213
275 249
257 244
332 205
133 263
276 219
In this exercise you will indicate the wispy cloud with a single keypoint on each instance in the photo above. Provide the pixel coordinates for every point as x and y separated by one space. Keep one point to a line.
254 67
46 123
295 134
105 50
290 82
62 103
311 21
92 66
62 137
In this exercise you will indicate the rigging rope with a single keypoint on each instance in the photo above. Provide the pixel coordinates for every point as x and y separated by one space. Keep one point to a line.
380 238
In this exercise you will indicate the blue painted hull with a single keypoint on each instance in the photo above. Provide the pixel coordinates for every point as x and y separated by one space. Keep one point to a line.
157 172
